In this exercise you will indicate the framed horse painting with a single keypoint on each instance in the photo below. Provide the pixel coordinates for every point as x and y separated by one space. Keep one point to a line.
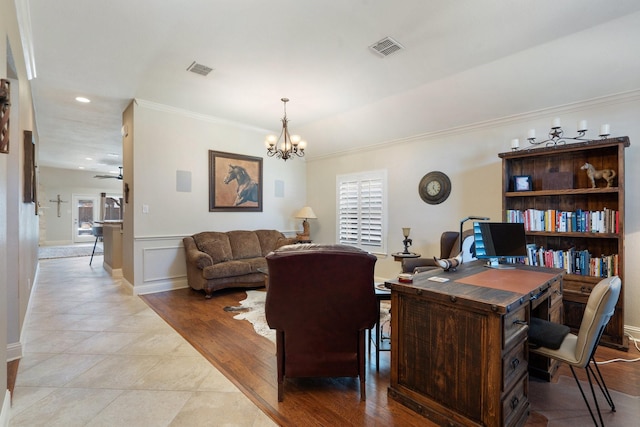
235 182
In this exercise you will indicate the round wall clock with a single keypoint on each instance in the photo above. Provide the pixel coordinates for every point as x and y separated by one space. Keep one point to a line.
434 187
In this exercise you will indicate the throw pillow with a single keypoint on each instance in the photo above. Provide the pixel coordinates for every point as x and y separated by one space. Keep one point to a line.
543 333
216 250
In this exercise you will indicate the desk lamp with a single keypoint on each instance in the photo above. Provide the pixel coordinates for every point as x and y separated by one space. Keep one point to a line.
477 218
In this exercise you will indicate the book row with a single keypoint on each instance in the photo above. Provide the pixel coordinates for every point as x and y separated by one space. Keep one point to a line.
604 221
573 261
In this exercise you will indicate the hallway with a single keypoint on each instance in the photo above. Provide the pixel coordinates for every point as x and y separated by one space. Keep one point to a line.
96 356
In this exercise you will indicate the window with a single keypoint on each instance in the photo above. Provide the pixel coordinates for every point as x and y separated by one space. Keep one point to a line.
362 210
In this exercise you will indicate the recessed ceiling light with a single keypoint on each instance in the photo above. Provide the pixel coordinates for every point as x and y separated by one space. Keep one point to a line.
80 167
82 99
88 158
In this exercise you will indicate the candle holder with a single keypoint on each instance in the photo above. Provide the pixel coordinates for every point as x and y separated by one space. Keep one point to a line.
604 131
556 135
407 241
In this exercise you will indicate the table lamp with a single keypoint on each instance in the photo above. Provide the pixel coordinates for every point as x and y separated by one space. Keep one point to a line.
407 241
305 213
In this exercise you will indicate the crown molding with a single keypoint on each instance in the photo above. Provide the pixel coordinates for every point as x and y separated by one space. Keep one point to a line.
603 101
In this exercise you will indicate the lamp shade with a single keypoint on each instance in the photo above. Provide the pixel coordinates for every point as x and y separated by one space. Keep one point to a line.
306 213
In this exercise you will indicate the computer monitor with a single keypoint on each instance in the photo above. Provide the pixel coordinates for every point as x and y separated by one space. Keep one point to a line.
499 240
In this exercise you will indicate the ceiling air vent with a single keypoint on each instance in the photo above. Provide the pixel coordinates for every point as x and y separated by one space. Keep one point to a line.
199 68
386 47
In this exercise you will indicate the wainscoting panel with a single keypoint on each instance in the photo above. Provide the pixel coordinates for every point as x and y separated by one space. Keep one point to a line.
162 263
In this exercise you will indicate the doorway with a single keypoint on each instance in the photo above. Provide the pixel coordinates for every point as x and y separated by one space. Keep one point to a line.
85 210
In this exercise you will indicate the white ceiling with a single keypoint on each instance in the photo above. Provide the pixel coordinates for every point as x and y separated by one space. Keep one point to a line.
465 61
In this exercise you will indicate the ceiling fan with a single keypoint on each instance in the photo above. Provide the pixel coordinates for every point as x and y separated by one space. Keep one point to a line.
110 176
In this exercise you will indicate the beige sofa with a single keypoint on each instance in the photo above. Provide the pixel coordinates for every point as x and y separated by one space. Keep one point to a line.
218 260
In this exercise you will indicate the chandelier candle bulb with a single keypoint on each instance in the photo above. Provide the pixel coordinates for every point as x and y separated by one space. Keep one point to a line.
531 134
555 124
582 126
515 143
604 130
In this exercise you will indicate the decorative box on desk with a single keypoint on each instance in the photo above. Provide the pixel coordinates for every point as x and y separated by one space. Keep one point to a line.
459 351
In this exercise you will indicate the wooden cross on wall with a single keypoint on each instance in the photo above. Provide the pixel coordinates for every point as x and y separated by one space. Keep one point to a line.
58 201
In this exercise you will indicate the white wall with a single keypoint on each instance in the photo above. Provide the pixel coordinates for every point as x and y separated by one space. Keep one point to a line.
162 141
18 222
470 157
56 230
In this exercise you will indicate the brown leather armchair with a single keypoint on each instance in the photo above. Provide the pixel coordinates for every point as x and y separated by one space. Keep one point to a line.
320 301
449 248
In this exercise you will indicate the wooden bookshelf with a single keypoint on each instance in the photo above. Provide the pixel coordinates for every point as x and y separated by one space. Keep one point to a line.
549 166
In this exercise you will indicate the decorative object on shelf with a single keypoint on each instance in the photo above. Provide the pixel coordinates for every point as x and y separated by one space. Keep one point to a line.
407 241
305 214
515 144
593 174
434 187
449 263
522 183
290 145
463 220
556 134
553 179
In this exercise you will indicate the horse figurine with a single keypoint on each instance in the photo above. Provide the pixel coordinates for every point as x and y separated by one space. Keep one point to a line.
593 174
247 188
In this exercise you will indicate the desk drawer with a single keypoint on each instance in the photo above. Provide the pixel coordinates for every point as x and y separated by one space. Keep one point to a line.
514 327
556 293
514 365
514 402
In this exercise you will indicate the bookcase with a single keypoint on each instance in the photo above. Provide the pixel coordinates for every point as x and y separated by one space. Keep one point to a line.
570 224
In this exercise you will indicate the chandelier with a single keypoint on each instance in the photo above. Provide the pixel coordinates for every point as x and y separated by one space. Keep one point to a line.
285 146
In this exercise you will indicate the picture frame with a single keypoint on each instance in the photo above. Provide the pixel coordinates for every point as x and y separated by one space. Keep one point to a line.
522 183
235 182
29 179
5 108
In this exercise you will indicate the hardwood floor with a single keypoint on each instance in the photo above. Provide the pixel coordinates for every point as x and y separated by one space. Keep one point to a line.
248 360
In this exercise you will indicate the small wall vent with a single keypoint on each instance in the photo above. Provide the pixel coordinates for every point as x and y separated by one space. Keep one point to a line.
386 47
199 68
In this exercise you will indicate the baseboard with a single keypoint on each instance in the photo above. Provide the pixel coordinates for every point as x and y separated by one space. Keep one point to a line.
155 286
14 351
116 273
160 286
6 408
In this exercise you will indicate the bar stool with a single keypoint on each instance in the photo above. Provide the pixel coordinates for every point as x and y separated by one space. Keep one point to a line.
97 231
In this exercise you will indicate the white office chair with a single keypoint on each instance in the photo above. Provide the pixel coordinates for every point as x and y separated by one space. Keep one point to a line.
578 350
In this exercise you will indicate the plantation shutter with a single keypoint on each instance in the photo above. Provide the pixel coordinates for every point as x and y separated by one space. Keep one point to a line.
361 210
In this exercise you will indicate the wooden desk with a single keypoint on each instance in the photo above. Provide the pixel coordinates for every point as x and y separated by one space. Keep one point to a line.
459 354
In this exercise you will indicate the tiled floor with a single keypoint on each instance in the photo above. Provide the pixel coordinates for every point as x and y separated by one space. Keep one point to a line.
95 356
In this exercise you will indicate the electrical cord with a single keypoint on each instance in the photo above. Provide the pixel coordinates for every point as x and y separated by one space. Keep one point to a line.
635 343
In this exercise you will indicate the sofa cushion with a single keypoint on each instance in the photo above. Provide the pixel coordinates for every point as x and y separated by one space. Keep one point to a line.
244 244
226 269
216 250
208 236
